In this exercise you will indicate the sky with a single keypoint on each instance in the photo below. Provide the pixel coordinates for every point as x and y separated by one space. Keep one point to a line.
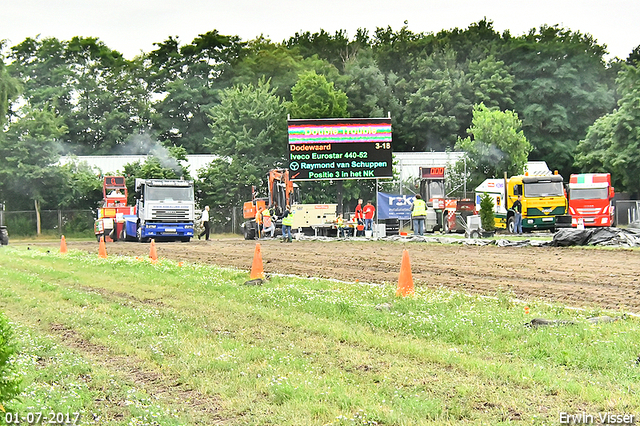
132 26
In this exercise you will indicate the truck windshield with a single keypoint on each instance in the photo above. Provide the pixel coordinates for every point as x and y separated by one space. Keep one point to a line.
436 189
590 194
159 193
543 189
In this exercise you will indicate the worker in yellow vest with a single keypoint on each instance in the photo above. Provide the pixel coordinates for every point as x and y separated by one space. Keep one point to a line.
342 232
418 215
287 223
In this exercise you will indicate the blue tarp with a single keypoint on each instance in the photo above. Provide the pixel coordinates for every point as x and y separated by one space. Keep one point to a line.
391 206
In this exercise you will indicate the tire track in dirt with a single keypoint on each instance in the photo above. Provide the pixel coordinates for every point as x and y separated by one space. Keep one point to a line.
162 386
587 277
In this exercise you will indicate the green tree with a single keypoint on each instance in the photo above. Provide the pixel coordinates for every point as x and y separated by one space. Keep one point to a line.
8 89
439 110
397 51
561 87
249 125
612 143
113 102
441 96
492 83
188 80
80 187
315 97
367 90
100 95
264 60
42 68
30 148
634 57
224 184
472 44
249 133
487 217
496 145
337 49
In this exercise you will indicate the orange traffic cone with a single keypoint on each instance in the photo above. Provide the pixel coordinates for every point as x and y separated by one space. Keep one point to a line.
63 245
102 250
405 281
256 267
153 254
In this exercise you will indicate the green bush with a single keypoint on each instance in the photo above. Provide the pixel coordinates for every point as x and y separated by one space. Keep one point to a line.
486 213
21 225
9 384
80 223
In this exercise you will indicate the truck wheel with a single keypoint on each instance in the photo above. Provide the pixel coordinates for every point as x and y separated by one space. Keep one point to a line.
139 234
511 224
99 236
445 226
249 231
4 237
474 234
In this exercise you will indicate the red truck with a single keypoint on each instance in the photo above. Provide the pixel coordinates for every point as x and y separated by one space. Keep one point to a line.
590 199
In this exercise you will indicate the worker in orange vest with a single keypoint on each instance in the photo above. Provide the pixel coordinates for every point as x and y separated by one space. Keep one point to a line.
267 223
259 220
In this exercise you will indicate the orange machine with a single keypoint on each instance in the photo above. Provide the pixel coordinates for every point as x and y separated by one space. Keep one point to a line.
110 222
281 192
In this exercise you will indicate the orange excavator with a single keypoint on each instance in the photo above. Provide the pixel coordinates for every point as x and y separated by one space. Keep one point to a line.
281 192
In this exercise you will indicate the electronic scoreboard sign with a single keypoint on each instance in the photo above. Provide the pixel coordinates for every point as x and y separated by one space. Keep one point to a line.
432 172
340 148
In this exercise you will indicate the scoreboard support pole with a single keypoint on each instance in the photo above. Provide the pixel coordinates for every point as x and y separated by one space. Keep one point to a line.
377 212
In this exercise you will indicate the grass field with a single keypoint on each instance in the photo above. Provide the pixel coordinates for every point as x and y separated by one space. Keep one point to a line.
125 342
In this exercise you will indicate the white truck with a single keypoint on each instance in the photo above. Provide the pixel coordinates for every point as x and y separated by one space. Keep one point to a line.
165 210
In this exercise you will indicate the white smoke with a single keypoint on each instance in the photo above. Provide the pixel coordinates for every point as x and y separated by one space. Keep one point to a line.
144 144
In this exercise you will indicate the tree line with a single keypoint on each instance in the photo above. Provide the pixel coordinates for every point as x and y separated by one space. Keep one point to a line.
221 95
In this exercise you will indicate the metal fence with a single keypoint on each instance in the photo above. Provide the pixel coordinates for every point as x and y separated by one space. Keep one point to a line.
627 211
23 222
224 222
80 222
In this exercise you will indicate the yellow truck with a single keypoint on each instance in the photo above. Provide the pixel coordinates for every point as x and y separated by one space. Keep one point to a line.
544 202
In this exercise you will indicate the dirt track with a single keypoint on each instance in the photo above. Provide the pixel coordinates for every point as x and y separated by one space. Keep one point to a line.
579 277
